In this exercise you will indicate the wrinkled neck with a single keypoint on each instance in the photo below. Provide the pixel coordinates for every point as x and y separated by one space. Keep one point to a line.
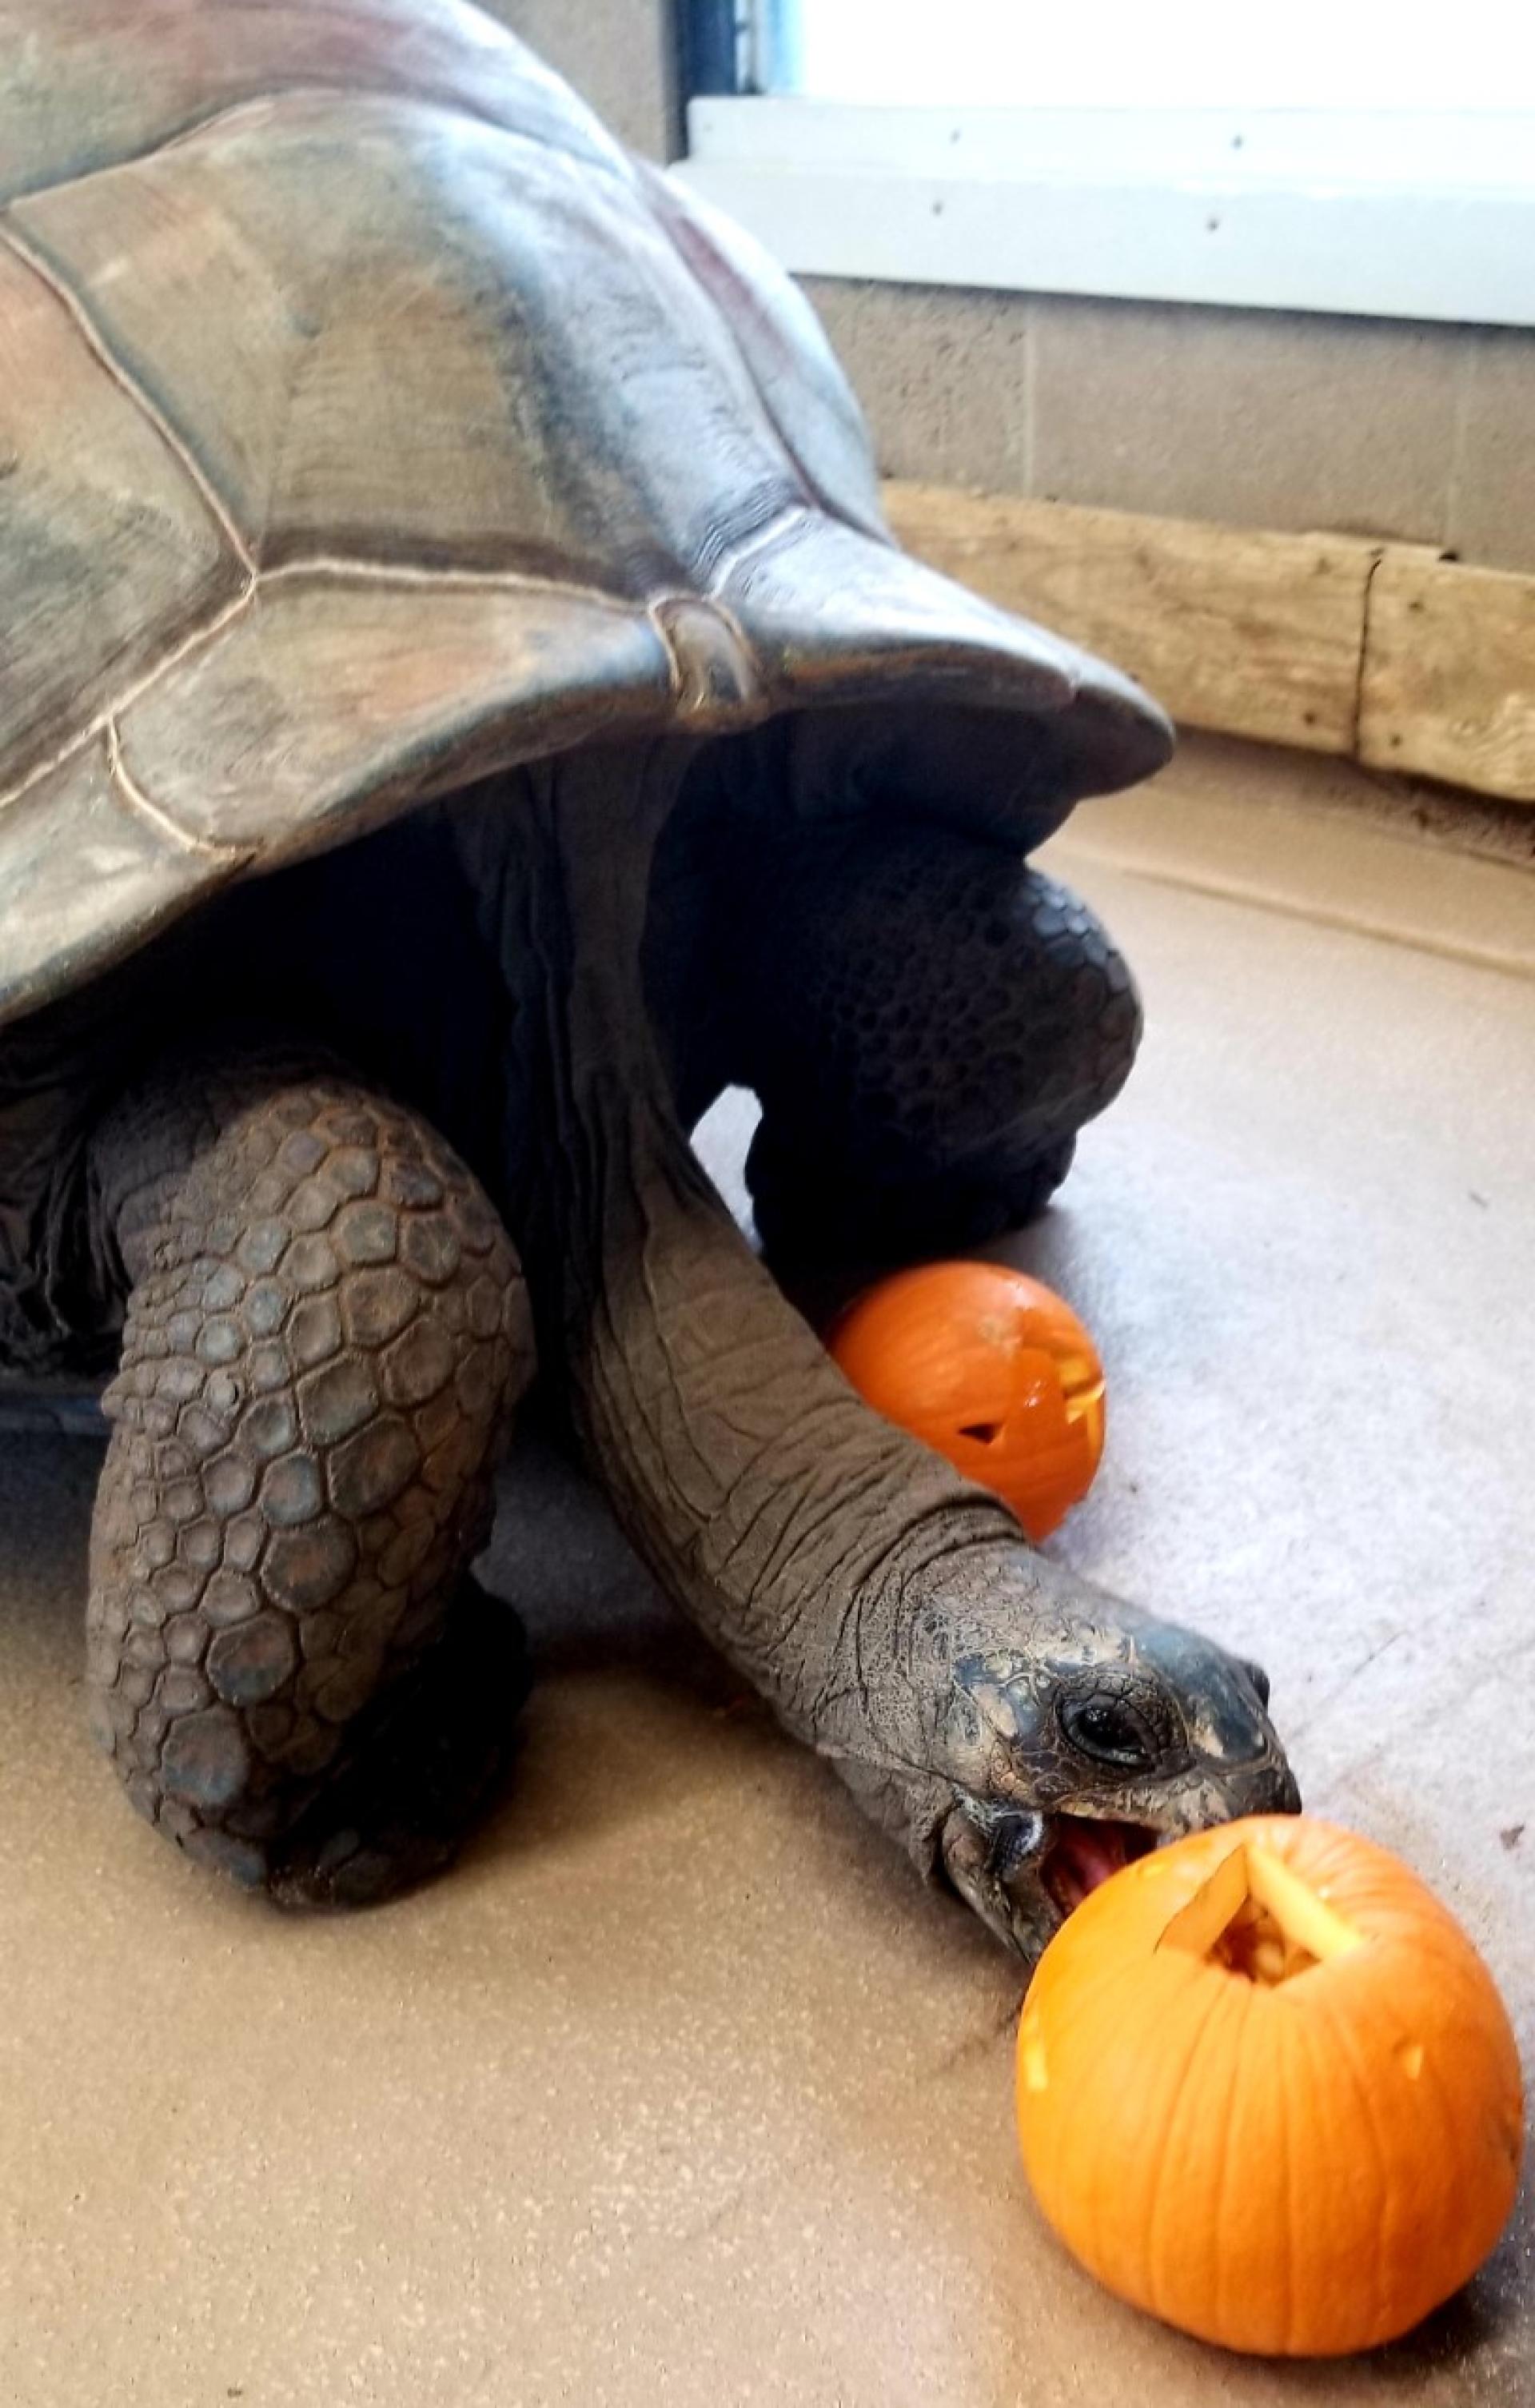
792 1523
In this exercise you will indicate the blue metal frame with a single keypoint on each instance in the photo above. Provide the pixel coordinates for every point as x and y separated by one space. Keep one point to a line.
709 41
737 47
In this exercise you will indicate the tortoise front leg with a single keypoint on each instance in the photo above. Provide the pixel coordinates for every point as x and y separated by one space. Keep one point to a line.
326 1328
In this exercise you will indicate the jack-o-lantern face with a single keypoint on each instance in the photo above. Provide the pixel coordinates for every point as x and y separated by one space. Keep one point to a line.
990 1369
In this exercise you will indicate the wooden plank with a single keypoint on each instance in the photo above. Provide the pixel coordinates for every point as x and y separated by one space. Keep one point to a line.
1236 629
1383 651
1449 675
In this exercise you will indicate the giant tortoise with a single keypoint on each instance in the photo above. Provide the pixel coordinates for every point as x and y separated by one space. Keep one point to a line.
460 707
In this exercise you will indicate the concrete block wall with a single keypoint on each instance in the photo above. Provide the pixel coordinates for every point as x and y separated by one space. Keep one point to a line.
1256 417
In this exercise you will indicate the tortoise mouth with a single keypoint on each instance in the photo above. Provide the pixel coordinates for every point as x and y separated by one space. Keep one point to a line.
1083 1852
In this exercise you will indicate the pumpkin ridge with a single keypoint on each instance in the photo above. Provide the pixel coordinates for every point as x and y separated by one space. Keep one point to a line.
1283 2250
1180 2089
1342 2041
1214 2258
1109 1977
1429 2082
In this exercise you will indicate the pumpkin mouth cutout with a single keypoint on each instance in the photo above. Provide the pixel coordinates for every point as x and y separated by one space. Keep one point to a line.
1259 1922
1082 1400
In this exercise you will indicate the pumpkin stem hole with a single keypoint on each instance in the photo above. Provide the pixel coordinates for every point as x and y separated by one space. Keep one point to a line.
1255 1944
1255 1919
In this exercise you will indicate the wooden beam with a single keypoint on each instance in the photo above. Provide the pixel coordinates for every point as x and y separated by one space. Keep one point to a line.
1449 675
1383 653
1245 632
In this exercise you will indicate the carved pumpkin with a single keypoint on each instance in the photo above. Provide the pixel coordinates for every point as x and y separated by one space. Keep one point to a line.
989 1368
1268 2090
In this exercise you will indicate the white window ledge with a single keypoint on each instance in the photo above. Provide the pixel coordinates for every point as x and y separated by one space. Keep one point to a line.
1401 214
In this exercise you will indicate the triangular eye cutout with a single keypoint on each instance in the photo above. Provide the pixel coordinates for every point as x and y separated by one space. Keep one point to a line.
985 1433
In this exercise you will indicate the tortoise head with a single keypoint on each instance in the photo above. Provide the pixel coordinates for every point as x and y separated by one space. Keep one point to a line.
1072 1751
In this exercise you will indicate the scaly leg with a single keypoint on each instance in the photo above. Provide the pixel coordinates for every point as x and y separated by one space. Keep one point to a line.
326 1332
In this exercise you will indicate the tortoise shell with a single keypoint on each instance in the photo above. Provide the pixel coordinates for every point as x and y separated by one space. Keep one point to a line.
371 421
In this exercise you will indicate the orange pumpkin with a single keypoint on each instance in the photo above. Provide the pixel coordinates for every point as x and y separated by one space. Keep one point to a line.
1268 2090
990 1367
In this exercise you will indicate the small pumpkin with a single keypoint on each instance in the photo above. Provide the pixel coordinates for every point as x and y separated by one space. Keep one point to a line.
990 1367
1268 2090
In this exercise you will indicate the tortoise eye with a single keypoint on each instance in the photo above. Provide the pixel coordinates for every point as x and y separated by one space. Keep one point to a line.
1108 1732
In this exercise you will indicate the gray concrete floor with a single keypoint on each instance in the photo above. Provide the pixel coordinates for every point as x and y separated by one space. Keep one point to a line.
679 2089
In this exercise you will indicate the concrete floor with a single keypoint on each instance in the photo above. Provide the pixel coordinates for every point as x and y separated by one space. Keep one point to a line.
679 2089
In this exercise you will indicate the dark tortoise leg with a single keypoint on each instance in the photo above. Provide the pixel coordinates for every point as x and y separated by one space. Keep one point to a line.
928 1022
326 1332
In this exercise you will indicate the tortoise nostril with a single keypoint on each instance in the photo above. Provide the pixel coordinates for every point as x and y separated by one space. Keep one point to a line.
1259 1679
